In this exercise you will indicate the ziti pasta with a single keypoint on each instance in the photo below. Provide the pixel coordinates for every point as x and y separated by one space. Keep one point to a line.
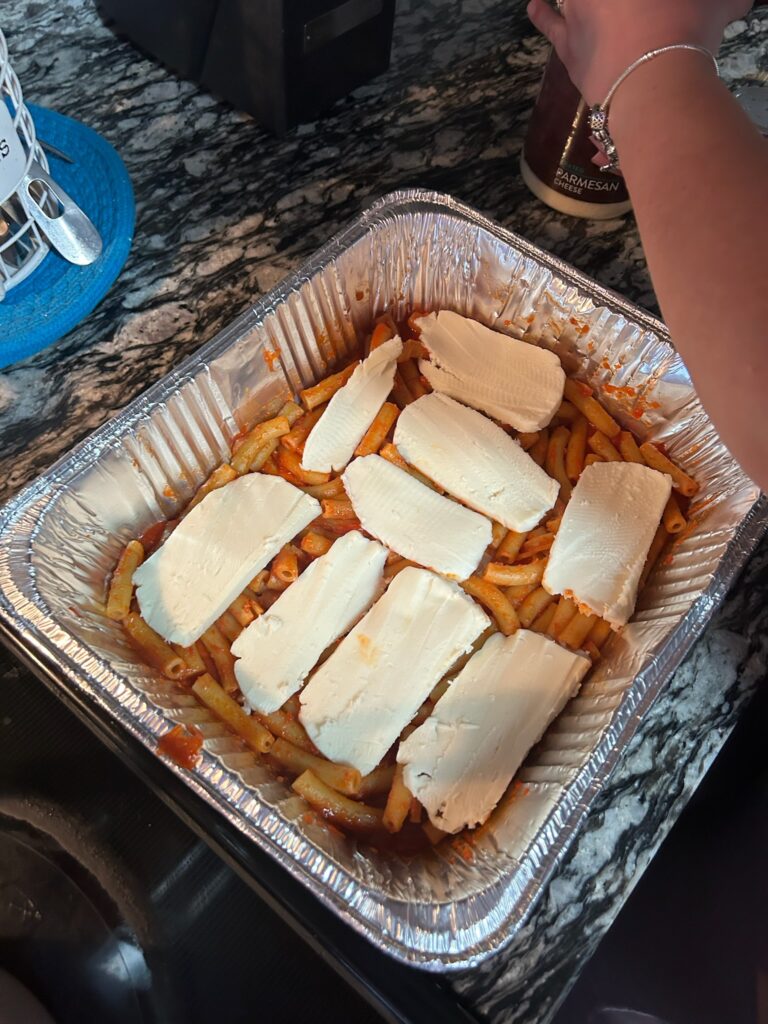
373 566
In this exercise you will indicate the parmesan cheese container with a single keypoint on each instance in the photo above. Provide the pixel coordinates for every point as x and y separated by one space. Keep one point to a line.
556 163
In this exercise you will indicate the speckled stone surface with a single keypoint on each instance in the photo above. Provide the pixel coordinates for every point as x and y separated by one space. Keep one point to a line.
225 211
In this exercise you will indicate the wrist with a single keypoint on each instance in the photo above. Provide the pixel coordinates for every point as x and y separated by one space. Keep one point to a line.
639 97
611 57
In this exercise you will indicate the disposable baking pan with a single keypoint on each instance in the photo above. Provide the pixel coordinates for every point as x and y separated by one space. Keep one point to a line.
60 537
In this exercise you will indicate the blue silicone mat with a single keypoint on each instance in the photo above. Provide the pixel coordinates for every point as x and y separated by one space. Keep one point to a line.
58 295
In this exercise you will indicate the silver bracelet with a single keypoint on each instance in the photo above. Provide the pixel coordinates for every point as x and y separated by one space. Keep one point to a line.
598 115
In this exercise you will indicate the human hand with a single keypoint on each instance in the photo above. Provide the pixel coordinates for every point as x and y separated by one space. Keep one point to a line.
597 39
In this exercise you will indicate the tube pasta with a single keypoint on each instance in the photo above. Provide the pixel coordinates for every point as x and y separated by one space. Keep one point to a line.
398 804
576 450
301 429
262 456
536 602
514 575
563 614
600 633
315 544
567 412
335 807
538 451
401 393
628 448
282 724
527 441
326 389
376 434
412 378
260 435
542 623
229 626
337 508
155 651
290 462
510 547
208 691
292 412
581 396
555 464
337 776
285 566
577 630
219 477
383 331
658 542
245 609
191 657
498 533
681 482
121 587
412 349
218 648
673 518
497 603
376 782
537 545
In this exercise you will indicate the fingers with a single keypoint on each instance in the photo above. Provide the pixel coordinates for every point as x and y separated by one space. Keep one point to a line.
548 22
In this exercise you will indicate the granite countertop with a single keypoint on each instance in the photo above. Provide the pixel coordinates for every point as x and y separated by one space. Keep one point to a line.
225 211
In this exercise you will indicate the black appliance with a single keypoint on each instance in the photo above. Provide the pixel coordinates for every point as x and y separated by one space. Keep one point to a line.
283 61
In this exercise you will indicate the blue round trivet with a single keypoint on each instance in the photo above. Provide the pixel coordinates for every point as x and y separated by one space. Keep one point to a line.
58 295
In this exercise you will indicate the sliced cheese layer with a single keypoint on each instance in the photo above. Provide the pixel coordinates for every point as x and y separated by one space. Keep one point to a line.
460 761
414 520
359 701
513 381
474 460
278 650
350 412
215 550
603 540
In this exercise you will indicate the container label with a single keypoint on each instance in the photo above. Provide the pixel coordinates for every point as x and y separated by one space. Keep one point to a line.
13 159
558 149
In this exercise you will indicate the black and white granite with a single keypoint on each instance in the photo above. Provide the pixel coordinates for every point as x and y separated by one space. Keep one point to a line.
225 211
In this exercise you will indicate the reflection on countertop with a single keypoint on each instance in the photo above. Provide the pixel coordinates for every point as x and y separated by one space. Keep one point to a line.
225 211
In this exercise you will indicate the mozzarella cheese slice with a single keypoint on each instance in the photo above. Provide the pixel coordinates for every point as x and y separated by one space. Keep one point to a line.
360 700
414 520
215 550
278 650
474 460
460 761
513 381
603 540
350 412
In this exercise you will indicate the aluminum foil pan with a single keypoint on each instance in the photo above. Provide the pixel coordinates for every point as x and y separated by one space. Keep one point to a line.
61 536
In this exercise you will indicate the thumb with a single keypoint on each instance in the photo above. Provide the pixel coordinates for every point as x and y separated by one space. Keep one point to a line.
548 22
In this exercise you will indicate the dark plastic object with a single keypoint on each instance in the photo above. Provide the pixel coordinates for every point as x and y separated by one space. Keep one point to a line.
283 61
175 32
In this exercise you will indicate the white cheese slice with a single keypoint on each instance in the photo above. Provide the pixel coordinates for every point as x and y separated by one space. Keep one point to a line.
513 381
460 761
279 649
360 700
341 428
215 550
603 540
474 460
415 521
